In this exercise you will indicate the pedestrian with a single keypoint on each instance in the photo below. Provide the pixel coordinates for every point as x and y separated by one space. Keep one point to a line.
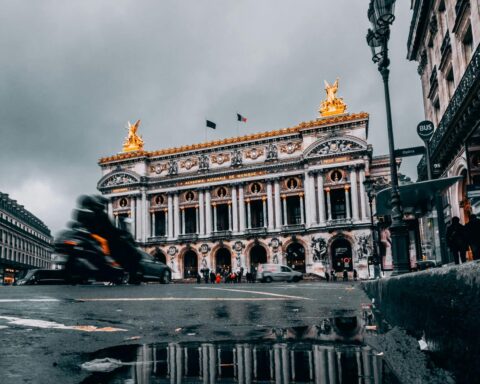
240 275
247 276
355 275
212 277
218 278
457 240
472 230
253 274
327 277
199 278
334 275
345 275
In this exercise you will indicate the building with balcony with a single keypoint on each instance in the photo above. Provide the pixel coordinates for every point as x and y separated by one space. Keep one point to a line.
25 241
292 196
444 39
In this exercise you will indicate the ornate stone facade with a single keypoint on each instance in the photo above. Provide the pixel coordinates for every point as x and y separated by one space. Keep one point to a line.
25 241
293 196
448 52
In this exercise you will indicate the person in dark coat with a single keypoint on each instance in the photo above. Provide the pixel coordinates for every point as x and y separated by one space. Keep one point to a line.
334 275
345 275
472 230
212 277
327 277
457 240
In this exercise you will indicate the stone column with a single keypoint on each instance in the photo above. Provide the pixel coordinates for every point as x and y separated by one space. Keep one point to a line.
278 205
183 220
271 223
133 210
165 214
139 218
306 191
153 234
147 219
302 213
208 212
264 208
215 228
176 216
201 205
347 202
363 196
329 204
285 217
353 186
144 215
321 198
312 205
197 219
234 208
241 207
249 215
170 217
229 216
110 208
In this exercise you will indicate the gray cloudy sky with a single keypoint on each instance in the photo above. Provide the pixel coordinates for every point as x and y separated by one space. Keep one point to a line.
72 73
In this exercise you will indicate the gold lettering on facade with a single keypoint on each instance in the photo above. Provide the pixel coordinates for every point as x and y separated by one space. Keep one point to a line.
221 178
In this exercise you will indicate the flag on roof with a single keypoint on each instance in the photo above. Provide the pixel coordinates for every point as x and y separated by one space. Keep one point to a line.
211 124
241 118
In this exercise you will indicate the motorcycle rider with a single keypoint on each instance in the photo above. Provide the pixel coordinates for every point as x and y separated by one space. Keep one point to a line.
120 240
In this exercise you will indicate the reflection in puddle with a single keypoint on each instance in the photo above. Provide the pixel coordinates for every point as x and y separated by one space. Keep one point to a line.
304 362
329 353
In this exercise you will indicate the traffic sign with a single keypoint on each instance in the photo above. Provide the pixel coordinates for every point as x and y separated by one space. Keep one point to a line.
412 151
425 130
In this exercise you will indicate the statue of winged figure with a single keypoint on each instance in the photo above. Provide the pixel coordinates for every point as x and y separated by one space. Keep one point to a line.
331 90
133 142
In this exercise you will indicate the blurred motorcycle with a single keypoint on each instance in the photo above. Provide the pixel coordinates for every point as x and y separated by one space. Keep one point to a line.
95 248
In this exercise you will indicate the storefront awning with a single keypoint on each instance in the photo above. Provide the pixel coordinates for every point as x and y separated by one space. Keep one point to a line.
416 197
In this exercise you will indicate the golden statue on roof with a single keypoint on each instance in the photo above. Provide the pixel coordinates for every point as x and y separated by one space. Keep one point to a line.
333 105
133 142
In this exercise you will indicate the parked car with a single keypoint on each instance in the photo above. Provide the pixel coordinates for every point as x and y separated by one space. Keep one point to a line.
43 276
150 269
267 273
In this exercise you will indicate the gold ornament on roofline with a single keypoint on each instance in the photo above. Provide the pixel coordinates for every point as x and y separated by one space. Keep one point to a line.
333 105
133 142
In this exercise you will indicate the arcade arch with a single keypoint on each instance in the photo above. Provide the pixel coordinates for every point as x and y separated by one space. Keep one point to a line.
223 259
190 264
296 257
341 253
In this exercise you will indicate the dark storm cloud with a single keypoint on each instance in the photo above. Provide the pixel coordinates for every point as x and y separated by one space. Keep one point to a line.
73 73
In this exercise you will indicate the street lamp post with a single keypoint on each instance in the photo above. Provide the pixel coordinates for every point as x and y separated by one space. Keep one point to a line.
380 14
370 189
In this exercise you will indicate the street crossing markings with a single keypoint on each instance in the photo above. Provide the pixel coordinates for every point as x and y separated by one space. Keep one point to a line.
258 293
184 299
28 300
53 325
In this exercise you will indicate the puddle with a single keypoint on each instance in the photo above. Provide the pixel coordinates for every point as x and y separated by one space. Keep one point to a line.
330 352
240 362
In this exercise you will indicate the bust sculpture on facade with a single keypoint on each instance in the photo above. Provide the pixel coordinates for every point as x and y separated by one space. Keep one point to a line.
133 142
333 105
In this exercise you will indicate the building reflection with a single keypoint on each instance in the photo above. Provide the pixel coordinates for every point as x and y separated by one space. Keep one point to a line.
279 363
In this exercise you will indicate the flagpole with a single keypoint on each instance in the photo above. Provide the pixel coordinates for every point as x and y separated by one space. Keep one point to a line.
238 125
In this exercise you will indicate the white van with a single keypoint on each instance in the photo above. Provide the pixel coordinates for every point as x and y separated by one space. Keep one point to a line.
267 273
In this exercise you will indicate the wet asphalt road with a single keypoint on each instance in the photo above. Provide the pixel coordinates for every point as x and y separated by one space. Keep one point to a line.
35 352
